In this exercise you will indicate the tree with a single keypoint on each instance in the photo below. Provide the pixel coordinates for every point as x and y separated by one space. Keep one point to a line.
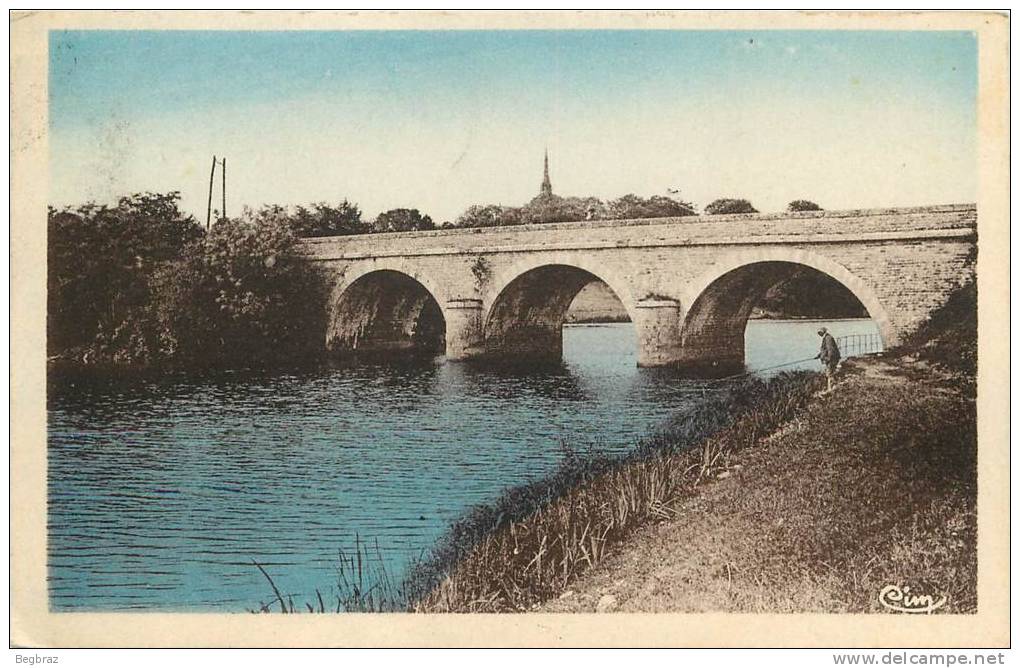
402 220
101 261
143 284
556 209
803 205
491 215
242 295
656 206
323 220
729 205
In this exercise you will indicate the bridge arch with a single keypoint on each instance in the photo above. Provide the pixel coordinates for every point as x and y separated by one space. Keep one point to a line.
379 307
594 265
527 304
719 302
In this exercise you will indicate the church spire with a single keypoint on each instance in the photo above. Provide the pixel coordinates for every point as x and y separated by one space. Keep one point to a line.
546 183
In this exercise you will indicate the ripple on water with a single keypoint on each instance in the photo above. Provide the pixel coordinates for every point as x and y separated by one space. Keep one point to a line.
161 493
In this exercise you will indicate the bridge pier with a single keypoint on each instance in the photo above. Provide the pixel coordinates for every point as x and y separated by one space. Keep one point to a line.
463 329
658 329
716 349
527 343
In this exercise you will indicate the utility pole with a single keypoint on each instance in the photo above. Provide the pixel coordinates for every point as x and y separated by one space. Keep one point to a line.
208 211
223 212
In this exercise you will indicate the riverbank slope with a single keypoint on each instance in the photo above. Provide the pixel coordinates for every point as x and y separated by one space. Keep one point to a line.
807 502
873 484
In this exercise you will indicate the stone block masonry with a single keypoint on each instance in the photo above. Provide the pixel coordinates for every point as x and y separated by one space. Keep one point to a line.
688 284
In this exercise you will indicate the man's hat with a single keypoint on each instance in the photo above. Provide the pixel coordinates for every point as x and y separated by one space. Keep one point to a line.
822 331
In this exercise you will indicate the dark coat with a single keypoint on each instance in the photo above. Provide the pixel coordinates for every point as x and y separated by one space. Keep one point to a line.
829 354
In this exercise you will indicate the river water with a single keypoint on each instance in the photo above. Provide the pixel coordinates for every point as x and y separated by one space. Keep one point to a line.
161 493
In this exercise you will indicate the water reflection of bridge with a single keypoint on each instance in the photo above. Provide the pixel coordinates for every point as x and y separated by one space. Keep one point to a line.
689 284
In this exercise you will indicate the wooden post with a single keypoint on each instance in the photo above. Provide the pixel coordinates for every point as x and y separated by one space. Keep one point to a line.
208 211
223 213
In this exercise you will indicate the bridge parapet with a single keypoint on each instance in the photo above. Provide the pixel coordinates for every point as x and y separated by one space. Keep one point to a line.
803 227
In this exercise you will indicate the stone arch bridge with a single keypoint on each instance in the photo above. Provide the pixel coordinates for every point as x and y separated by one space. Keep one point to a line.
688 284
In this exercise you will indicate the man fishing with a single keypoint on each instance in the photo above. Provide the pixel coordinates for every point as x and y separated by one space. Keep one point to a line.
829 355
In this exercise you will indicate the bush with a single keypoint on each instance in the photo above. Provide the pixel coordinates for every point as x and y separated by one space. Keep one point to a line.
656 206
101 262
324 220
803 205
556 209
402 220
728 205
242 295
142 284
491 215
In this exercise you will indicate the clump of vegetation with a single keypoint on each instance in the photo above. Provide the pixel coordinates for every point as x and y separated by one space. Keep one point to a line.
142 284
481 269
803 205
244 295
557 209
363 584
102 264
656 206
325 220
729 205
402 220
526 546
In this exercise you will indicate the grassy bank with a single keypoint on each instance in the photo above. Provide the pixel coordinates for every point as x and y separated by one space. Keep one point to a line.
871 485
532 542
790 501
562 518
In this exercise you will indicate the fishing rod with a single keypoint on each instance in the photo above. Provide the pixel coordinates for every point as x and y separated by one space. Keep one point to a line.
738 376
768 368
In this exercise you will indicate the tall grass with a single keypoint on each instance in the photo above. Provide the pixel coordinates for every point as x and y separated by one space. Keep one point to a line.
523 547
363 584
528 545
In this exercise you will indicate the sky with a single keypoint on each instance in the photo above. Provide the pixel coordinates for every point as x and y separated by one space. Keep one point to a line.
442 120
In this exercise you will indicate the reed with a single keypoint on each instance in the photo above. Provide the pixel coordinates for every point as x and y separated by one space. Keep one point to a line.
528 545
363 584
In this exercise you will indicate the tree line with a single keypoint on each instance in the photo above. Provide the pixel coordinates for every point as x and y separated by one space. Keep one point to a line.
142 283
556 209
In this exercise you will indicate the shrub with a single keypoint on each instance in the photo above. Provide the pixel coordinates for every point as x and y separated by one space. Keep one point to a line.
728 205
803 205
492 215
101 264
656 206
325 220
242 295
402 220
